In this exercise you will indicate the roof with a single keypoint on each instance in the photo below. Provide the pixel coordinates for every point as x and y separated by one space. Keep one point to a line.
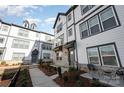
25 28
57 18
69 10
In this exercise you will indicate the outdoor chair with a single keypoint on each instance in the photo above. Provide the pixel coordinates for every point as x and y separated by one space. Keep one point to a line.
92 70
120 73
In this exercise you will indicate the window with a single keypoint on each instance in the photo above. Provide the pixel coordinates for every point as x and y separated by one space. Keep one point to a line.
93 55
20 44
18 56
108 55
108 19
94 25
46 56
23 33
86 8
59 56
1 40
59 27
70 32
69 17
83 30
47 46
5 28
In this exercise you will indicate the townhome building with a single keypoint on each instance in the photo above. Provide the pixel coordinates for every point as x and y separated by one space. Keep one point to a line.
93 34
21 44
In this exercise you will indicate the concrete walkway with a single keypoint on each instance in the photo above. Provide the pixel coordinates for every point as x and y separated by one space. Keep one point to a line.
39 79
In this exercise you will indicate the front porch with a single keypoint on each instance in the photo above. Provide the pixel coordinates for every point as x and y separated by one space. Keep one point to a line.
112 76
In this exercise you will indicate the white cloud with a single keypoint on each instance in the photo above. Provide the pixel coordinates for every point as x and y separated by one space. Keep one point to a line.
33 20
50 20
16 10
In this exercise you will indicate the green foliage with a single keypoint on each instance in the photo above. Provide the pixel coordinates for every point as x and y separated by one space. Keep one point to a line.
3 63
60 72
72 69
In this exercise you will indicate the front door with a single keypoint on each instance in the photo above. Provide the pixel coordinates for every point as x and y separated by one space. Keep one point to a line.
34 56
71 57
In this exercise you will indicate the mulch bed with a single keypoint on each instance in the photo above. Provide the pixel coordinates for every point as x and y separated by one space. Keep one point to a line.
48 70
24 79
81 82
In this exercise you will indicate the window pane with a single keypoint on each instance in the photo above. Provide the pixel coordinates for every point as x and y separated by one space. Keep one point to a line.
93 55
84 34
107 50
109 60
108 55
94 25
83 30
106 14
94 60
109 23
95 29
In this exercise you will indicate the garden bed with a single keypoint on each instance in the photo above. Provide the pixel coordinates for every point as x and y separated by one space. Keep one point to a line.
48 70
73 79
24 79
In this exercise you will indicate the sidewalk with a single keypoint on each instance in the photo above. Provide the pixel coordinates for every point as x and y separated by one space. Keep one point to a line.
39 79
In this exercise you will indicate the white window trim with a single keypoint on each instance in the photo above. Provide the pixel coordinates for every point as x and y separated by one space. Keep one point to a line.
115 57
108 18
84 30
99 64
98 24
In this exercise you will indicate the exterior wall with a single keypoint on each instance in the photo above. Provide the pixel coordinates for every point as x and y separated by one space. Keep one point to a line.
115 35
70 22
36 40
64 61
72 37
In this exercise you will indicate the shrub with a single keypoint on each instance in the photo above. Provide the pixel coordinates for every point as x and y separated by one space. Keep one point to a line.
72 69
3 63
60 72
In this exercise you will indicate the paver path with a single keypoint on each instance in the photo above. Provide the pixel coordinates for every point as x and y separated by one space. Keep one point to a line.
39 79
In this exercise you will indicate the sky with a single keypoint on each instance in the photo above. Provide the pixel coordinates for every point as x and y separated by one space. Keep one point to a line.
43 15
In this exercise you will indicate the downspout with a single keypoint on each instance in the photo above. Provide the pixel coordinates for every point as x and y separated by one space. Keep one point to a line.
75 40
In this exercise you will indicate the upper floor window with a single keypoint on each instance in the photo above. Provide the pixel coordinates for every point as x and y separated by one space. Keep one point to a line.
69 17
94 25
70 32
1 40
20 44
5 27
86 8
108 18
83 30
23 32
59 27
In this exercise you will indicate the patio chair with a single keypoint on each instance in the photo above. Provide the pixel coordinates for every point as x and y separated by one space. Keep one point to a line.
120 73
92 70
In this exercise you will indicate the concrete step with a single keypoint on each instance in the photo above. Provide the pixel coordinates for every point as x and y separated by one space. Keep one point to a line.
33 66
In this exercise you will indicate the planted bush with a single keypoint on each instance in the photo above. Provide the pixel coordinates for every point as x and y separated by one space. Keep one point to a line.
60 72
72 69
3 63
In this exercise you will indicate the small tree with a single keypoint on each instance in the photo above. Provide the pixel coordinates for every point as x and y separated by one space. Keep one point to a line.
60 72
